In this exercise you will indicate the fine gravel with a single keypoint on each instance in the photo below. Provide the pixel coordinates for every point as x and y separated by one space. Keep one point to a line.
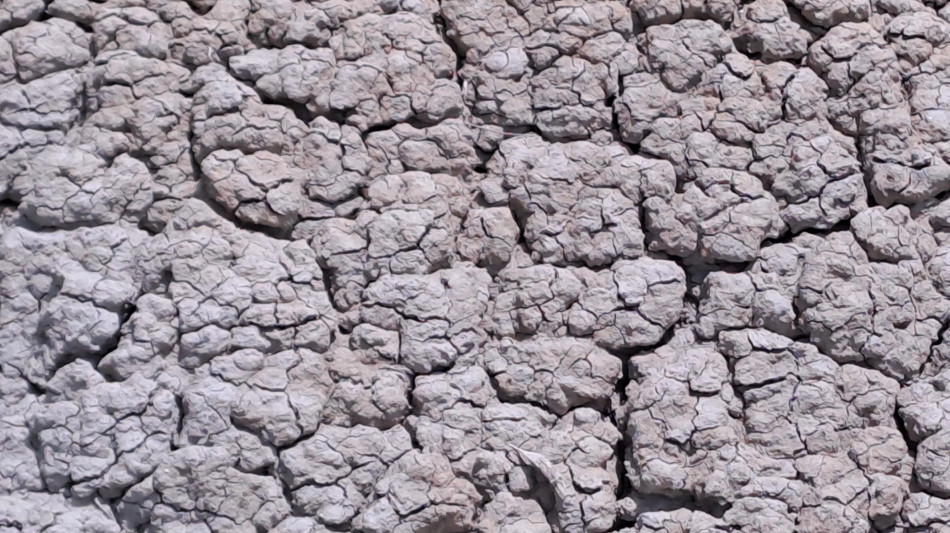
474 266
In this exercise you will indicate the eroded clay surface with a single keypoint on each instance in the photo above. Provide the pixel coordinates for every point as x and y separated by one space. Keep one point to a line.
449 266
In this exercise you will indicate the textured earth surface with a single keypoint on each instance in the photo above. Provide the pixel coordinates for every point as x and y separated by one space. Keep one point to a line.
494 266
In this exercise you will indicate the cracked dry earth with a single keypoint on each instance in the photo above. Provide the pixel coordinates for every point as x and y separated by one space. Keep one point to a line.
494 266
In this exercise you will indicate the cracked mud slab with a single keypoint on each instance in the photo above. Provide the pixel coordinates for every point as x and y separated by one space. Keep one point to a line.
447 266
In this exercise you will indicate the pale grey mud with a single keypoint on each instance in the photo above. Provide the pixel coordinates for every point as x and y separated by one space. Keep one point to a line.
488 266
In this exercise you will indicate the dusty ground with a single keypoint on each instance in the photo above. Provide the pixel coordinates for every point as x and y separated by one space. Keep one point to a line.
496 266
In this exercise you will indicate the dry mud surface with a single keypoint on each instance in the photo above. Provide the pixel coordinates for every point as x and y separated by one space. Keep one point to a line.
494 266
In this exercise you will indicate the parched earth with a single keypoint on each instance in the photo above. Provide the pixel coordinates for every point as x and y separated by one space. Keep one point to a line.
494 266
